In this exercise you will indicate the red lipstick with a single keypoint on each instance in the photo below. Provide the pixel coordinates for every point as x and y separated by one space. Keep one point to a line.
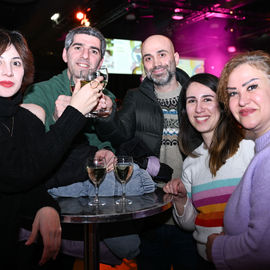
6 84
246 112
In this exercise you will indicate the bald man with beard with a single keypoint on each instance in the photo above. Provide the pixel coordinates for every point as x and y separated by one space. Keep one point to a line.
150 114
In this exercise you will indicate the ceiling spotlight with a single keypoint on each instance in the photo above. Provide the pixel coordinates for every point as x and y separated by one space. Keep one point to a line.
86 23
55 17
177 16
231 49
80 15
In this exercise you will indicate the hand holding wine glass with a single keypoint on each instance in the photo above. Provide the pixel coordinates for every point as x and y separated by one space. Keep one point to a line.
123 169
105 106
96 79
85 99
103 72
102 109
96 169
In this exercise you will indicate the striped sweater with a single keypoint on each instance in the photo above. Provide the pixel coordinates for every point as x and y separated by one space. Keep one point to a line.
208 195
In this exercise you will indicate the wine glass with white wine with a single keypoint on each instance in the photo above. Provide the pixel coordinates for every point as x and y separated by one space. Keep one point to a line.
96 169
103 72
123 169
89 76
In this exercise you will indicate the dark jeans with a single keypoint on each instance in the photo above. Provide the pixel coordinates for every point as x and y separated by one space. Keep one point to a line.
205 265
166 246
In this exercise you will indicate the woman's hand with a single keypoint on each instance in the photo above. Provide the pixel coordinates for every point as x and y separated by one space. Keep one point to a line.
86 99
47 222
175 187
61 103
210 240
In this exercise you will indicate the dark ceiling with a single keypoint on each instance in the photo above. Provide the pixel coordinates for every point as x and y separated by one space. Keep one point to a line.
135 19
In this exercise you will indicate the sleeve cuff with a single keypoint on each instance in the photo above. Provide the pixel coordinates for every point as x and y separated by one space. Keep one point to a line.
153 166
218 253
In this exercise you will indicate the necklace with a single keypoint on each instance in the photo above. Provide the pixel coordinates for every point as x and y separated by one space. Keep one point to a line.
10 130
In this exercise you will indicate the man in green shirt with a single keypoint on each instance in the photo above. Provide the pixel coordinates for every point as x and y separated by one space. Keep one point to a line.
84 49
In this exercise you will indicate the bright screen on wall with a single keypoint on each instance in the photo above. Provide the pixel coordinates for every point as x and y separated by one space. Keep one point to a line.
124 57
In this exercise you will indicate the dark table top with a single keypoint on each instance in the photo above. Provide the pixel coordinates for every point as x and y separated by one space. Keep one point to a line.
77 210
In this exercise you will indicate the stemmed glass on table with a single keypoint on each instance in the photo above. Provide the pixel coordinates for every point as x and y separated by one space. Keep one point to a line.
123 169
96 169
88 76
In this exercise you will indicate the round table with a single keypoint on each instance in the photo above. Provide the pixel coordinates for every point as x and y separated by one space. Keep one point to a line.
77 210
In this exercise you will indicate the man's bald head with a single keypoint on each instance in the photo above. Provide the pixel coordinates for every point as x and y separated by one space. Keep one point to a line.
158 40
159 60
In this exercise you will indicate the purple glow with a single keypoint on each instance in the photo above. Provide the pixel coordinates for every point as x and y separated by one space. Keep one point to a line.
177 10
147 16
206 39
231 49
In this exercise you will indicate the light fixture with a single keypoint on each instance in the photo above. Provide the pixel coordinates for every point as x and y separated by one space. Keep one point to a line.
177 15
80 15
55 17
86 22
231 49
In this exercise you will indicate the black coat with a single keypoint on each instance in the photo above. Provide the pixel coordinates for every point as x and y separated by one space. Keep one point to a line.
140 116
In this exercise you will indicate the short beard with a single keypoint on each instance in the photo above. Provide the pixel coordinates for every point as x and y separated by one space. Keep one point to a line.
161 81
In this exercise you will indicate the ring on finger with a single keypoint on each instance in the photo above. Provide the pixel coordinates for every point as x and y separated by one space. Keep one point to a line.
94 83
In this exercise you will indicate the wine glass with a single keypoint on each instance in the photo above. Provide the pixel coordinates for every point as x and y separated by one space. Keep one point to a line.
103 71
96 169
89 76
71 84
85 77
123 169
